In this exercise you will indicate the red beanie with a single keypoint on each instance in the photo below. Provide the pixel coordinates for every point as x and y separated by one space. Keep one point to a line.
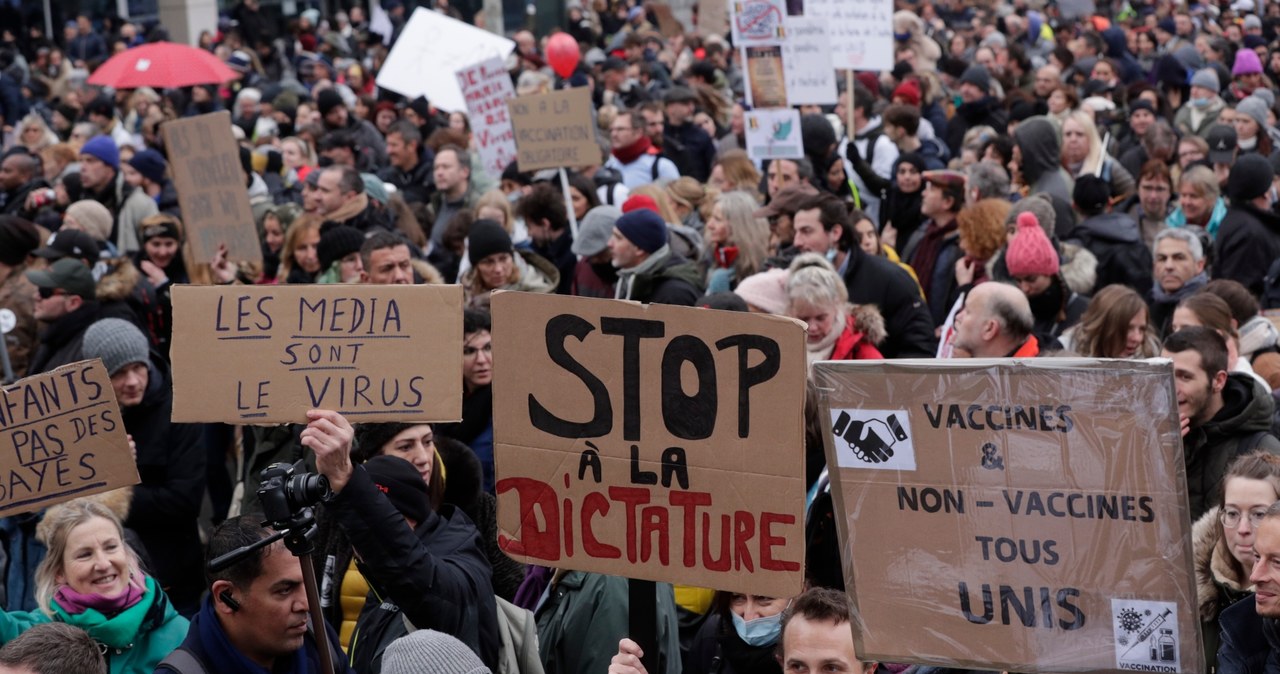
638 201
909 92
1030 252
869 80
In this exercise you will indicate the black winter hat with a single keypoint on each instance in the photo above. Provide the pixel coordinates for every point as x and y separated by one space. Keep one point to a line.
402 484
1250 178
327 100
371 437
1091 194
18 238
337 243
487 238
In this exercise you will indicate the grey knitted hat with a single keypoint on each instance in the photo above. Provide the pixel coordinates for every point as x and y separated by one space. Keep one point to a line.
1206 78
1255 108
430 651
595 229
117 342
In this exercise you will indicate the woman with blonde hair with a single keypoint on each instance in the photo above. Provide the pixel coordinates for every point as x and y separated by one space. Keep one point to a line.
90 578
1083 153
692 201
735 243
1115 325
299 259
34 134
835 329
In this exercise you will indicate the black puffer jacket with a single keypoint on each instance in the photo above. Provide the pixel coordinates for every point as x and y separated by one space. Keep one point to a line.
1241 426
436 574
166 505
1248 242
878 281
1123 257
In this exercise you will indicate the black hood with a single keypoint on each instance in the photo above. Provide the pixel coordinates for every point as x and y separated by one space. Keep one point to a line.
1037 138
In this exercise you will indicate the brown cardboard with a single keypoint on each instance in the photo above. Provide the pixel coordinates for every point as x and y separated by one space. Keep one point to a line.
546 347
1088 436
264 354
668 24
713 17
204 161
63 437
554 130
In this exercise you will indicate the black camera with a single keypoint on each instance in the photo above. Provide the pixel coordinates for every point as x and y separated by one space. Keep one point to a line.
284 495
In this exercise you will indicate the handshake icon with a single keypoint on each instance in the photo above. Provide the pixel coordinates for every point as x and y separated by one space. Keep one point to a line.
872 441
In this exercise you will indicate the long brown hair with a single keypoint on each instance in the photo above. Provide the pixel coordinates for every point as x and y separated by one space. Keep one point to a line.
1105 324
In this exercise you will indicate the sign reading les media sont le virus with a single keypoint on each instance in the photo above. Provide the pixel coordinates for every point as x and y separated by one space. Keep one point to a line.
62 436
653 442
1025 516
267 354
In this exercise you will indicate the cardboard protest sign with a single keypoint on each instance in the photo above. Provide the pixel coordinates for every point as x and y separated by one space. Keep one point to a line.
1026 516
486 86
63 437
668 24
267 354
204 160
806 57
554 130
431 49
654 442
774 134
860 32
713 17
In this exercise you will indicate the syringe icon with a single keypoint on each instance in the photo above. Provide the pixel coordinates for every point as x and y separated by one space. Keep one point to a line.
1149 629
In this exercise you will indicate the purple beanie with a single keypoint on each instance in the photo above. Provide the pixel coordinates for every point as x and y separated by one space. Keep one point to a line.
1247 63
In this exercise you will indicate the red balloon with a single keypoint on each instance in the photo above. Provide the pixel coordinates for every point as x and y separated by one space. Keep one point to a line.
563 54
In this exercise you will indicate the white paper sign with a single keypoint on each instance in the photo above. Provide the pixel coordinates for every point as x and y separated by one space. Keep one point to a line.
806 59
431 49
758 22
774 133
486 86
860 32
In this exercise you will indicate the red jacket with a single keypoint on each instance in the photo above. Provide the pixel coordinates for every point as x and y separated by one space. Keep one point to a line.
852 344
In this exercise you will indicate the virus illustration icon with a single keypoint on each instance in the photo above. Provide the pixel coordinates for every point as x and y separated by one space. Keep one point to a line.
1130 620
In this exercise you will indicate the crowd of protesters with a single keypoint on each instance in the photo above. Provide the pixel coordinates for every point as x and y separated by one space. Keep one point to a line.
1024 182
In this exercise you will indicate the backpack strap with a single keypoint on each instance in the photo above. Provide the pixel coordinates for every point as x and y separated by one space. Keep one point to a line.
182 661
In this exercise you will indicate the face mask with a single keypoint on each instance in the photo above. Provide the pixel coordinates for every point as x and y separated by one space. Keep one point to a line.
902 37
831 254
759 632
514 196
1200 102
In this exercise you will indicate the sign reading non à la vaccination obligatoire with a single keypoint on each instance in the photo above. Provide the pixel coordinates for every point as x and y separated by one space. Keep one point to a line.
1026 516
63 437
654 442
267 354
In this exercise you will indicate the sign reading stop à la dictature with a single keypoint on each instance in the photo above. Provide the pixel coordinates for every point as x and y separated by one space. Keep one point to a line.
653 442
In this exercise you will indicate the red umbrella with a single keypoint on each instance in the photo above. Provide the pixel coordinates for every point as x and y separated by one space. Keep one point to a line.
161 65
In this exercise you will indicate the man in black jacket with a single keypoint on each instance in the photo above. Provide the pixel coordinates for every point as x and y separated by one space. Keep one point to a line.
822 226
66 304
170 458
684 142
1249 237
1250 631
372 149
1223 415
410 165
544 213
648 270
428 565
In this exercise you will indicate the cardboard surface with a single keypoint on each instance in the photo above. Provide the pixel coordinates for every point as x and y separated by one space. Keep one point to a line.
63 437
486 86
668 24
774 134
1027 516
713 17
554 129
674 454
431 49
860 31
267 354
204 160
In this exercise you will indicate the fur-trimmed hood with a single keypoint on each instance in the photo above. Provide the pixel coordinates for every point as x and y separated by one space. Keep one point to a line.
116 500
119 281
868 321
1214 571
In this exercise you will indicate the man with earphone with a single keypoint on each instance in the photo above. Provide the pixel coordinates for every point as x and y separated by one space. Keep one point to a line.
255 617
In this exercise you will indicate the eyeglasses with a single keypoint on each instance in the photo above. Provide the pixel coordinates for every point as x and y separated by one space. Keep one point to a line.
1230 517
46 293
